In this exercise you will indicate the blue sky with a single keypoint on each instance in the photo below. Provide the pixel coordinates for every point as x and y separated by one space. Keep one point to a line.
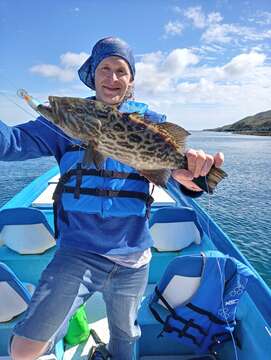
203 63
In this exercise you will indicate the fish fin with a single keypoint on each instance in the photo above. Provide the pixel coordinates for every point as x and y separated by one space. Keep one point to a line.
176 133
93 156
209 182
136 119
98 159
157 177
88 155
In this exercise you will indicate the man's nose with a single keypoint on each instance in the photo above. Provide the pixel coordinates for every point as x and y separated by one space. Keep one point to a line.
113 76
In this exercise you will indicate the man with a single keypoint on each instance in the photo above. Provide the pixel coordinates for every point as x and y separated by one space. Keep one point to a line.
103 242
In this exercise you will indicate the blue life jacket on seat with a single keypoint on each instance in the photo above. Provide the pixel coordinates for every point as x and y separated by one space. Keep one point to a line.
115 190
206 318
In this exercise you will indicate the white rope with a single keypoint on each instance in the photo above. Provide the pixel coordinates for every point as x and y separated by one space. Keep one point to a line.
220 271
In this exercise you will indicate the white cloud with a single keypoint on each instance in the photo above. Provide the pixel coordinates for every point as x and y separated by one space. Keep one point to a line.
262 18
159 74
226 33
157 71
176 83
178 60
53 71
214 17
173 28
197 96
197 16
152 58
244 63
220 33
71 59
215 31
177 9
66 71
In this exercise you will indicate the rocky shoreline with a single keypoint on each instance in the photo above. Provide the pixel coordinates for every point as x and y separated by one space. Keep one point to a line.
259 124
258 133
243 132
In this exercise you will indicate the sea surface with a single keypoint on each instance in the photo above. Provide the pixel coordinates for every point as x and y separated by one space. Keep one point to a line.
241 205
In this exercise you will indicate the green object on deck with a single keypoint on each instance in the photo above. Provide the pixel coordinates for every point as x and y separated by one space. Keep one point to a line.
78 330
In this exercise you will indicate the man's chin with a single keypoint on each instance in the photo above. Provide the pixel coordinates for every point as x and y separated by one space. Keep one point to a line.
112 100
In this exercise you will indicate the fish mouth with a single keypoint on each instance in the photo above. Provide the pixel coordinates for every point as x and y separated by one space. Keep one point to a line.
52 102
48 111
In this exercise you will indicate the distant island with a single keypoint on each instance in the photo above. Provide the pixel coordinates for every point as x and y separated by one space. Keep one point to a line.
259 124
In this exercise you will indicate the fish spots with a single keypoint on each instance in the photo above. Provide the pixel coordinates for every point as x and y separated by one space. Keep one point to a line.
113 117
134 138
152 148
125 144
122 136
163 157
111 136
156 137
147 153
79 110
139 127
100 113
118 127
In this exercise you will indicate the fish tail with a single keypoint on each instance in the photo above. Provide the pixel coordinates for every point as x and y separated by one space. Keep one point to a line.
209 182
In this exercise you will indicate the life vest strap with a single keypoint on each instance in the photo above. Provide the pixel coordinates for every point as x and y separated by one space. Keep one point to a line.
79 172
211 316
181 333
187 323
111 193
102 173
109 174
79 176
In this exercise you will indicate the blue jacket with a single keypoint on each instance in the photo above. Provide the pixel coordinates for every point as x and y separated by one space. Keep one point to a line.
125 195
96 228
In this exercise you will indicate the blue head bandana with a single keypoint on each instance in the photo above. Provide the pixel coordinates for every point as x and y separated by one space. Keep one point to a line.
110 46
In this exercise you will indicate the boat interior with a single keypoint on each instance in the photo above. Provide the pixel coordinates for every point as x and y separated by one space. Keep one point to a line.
27 244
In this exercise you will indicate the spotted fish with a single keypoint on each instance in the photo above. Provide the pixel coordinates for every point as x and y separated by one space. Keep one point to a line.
154 150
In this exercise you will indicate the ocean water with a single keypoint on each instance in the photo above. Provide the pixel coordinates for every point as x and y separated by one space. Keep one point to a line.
240 205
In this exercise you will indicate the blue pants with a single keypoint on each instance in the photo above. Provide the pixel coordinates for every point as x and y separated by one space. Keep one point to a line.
68 281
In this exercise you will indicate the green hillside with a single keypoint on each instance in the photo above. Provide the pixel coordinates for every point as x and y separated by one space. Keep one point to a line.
259 124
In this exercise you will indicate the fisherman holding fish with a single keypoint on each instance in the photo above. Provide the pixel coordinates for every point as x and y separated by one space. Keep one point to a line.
101 204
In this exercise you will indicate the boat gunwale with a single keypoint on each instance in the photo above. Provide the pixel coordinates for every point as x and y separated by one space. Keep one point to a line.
258 290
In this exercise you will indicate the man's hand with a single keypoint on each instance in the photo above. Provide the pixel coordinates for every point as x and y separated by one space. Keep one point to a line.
199 164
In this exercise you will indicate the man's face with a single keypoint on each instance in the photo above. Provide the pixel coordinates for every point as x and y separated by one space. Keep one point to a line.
112 80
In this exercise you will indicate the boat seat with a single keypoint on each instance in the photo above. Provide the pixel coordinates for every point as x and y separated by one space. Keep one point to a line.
185 281
25 230
150 343
15 296
174 229
14 300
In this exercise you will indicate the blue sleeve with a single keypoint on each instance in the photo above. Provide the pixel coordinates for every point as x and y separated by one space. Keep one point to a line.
155 117
31 140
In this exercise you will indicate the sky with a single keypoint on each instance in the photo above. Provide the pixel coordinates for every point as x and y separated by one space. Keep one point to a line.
203 63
